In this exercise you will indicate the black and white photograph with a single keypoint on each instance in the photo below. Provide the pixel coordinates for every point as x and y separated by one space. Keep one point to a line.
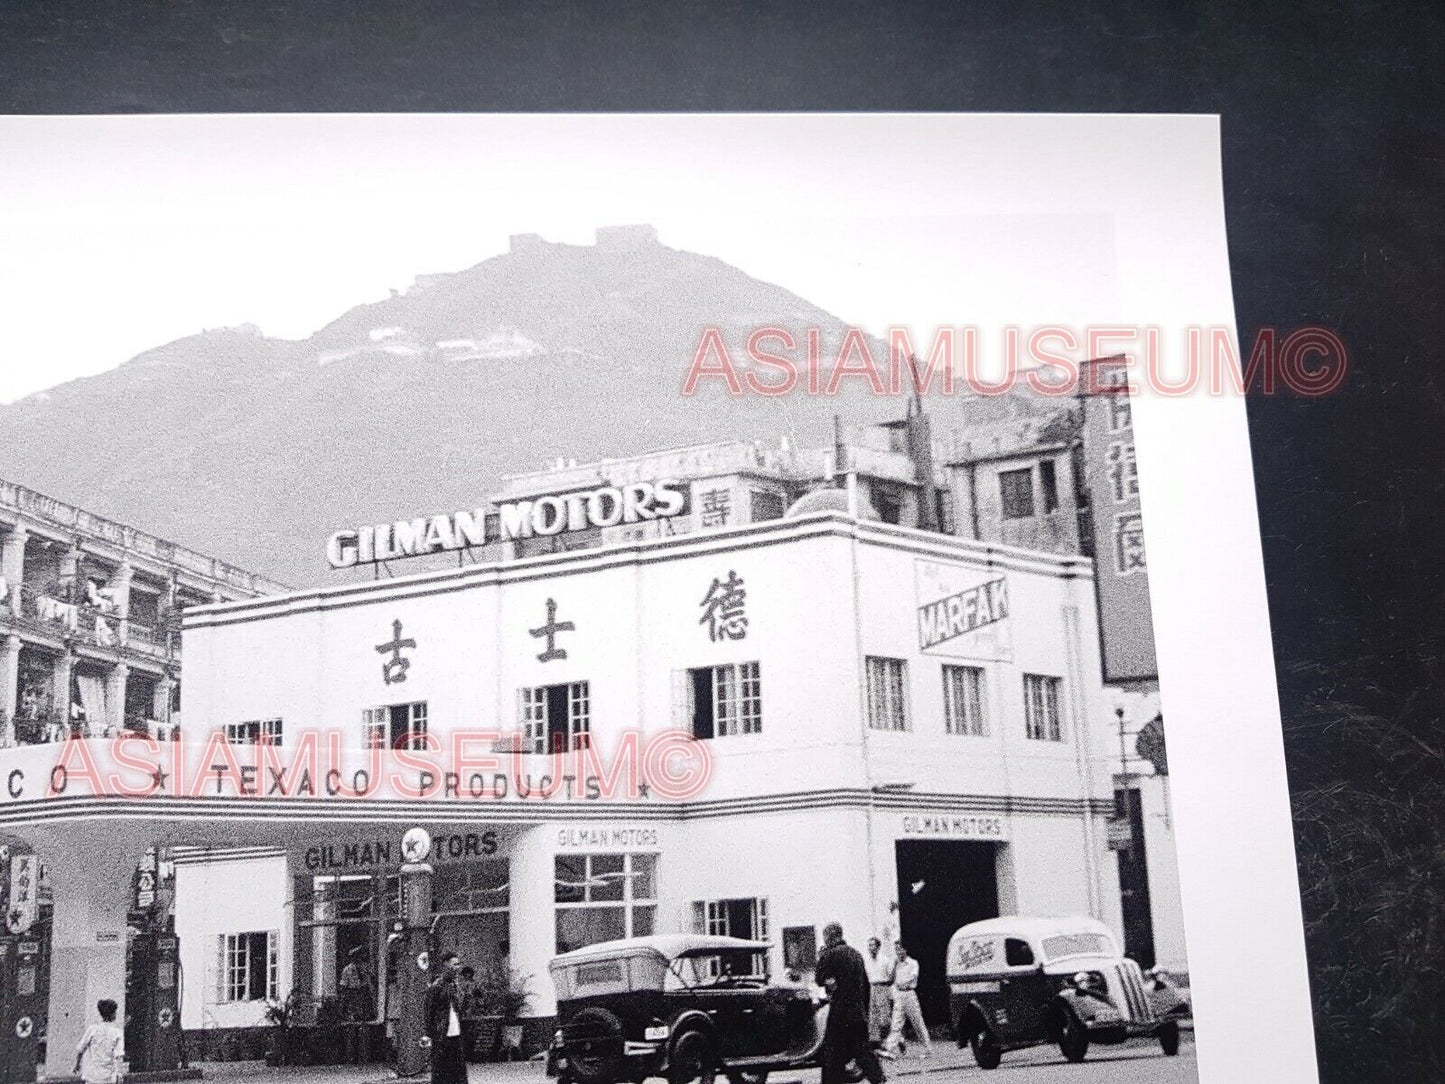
565 543
609 618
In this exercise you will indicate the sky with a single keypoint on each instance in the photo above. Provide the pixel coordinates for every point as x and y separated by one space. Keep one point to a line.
118 234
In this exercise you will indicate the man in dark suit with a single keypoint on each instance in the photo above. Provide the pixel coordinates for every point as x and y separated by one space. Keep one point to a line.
444 1024
842 973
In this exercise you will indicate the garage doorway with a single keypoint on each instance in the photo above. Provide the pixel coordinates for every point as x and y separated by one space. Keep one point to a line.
942 885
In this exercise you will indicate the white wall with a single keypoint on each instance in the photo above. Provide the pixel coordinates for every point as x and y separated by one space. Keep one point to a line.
215 898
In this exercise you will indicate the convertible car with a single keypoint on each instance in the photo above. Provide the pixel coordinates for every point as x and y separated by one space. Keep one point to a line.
682 1007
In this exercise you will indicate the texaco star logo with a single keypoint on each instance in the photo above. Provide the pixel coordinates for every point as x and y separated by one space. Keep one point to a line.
423 961
23 1027
165 1016
415 845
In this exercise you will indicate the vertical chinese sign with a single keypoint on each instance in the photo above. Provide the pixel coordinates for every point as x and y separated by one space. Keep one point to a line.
1121 571
24 904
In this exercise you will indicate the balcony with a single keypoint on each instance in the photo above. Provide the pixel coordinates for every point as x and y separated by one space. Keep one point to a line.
50 614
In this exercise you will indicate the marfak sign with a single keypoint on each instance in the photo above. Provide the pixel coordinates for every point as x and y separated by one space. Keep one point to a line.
962 612
604 506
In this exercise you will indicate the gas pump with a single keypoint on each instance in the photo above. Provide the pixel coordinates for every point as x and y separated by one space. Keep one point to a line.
22 994
152 1002
414 952
153 1040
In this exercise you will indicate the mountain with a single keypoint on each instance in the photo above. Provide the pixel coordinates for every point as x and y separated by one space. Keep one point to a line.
255 449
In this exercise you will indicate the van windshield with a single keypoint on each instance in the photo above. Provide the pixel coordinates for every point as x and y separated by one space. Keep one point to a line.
1064 945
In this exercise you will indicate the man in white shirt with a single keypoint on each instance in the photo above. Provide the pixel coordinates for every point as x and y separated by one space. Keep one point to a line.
906 1009
99 1059
879 965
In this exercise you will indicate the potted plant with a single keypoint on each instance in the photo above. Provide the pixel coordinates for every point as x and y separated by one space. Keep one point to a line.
281 1015
515 999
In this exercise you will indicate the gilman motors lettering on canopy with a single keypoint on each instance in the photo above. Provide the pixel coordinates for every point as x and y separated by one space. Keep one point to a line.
605 506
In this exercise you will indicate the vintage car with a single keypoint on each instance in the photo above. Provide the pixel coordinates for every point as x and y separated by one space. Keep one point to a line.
1017 982
684 1007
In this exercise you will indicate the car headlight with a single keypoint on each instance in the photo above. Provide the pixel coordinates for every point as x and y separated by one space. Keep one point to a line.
557 1037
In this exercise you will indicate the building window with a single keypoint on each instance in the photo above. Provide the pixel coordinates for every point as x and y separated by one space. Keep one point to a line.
254 732
1049 484
888 504
767 505
725 700
744 918
556 718
604 897
250 966
1041 708
963 700
395 726
475 887
1016 490
887 693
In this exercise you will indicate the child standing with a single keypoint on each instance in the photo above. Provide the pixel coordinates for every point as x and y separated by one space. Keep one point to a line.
98 1059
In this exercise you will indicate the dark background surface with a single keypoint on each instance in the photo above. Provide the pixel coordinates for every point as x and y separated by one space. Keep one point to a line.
1332 137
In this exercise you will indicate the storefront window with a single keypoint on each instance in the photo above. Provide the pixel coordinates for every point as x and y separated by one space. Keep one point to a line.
604 897
472 887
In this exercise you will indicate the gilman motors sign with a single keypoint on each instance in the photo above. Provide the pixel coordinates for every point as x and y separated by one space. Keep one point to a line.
605 506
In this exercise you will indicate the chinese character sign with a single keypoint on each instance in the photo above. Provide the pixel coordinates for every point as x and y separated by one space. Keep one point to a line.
394 668
714 507
24 906
548 630
724 609
1121 568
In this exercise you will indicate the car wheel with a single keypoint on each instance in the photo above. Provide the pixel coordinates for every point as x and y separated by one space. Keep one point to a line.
986 1049
1073 1037
693 1059
1169 1038
592 1041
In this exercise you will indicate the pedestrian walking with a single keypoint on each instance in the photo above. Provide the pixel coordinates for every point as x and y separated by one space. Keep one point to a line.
842 973
444 1025
99 1059
906 1009
880 991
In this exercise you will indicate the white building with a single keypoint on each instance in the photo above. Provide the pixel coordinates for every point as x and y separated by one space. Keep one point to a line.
905 730
876 759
